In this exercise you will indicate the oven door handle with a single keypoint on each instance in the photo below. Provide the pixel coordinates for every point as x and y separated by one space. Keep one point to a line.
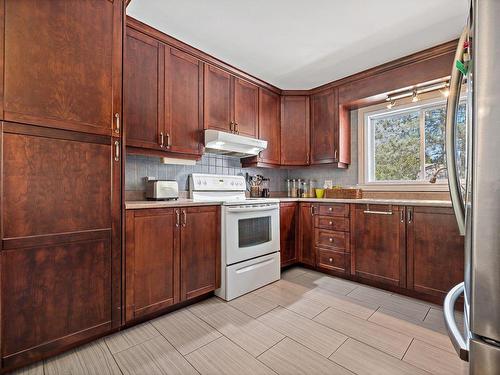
252 209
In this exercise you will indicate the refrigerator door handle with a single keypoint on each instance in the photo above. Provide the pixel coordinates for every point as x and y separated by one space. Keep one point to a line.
451 110
456 337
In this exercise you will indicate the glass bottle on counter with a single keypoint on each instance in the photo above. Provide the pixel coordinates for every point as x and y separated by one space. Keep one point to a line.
294 191
288 187
305 188
312 187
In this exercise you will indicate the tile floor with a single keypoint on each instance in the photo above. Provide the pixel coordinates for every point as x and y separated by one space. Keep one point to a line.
306 323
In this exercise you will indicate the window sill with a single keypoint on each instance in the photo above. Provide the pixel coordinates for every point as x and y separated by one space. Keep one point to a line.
404 187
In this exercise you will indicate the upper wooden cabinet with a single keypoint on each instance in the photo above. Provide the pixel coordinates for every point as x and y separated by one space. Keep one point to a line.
231 104
143 90
435 250
295 130
163 97
62 64
378 243
330 137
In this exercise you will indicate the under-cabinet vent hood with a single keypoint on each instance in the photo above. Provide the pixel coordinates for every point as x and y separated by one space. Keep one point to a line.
232 144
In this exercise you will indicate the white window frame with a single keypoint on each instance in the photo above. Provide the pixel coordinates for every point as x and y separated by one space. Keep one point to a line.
364 145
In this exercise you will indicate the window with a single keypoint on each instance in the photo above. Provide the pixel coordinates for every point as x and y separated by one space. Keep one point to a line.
405 145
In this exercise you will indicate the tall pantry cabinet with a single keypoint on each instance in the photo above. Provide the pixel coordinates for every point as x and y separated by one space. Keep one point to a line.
60 106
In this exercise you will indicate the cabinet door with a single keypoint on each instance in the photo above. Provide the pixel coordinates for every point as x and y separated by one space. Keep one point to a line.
435 250
246 107
379 248
306 234
143 90
200 251
217 99
60 255
269 126
288 230
151 261
184 102
295 130
324 127
63 67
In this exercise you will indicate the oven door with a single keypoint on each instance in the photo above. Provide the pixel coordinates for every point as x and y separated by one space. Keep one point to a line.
251 231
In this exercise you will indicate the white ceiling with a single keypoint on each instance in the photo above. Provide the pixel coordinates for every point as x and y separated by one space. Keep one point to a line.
301 44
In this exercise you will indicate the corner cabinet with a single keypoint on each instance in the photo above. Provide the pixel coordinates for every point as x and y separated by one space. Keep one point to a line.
172 255
306 250
330 137
163 98
288 233
231 104
295 130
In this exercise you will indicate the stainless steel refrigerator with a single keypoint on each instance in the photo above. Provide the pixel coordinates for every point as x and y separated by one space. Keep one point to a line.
474 180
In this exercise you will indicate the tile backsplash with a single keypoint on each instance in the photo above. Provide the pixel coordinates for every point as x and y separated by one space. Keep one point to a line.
138 168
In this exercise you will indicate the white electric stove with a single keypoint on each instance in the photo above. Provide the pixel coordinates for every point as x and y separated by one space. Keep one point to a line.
250 233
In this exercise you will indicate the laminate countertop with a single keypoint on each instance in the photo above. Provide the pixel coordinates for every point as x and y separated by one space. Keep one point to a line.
183 202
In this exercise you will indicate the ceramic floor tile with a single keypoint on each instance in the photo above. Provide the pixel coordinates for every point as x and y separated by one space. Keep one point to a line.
315 336
386 340
293 302
290 358
313 280
362 359
435 360
93 358
292 273
36 369
243 330
206 307
406 306
131 336
435 320
185 331
156 356
224 357
416 329
253 305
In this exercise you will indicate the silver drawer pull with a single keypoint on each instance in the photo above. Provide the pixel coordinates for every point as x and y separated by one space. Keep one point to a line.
330 209
331 239
330 260
378 212
331 223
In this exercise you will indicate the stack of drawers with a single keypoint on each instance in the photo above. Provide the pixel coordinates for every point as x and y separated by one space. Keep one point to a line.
331 237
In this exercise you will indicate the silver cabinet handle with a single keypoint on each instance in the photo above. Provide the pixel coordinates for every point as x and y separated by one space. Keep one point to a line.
451 109
335 156
168 141
231 125
236 128
117 120
184 217
410 216
330 239
330 209
330 223
177 218
162 140
330 260
117 151
455 334
402 216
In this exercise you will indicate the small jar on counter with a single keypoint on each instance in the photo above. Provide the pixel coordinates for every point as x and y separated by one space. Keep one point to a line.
294 190
305 188
312 189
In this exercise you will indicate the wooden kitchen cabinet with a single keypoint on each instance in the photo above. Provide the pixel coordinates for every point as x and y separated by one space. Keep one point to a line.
144 103
295 130
379 244
172 255
67 80
330 135
163 98
288 233
152 258
306 234
200 251
231 104
435 250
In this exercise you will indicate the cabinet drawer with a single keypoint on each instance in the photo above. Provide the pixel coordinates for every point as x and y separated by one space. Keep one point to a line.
332 223
332 260
331 239
334 209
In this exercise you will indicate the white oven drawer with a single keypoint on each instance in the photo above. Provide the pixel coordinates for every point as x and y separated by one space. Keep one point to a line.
252 274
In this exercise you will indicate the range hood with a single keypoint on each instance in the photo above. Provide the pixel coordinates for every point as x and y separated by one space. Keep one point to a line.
220 142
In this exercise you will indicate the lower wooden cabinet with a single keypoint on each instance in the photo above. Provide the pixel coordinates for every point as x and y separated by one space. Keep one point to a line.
306 233
288 235
171 255
435 250
378 243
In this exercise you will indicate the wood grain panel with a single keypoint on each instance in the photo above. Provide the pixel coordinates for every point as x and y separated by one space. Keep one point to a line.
295 130
53 292
200 252
54 185
288 233
246 107
217 99
62 63
324 127
306 233
143 90
184 102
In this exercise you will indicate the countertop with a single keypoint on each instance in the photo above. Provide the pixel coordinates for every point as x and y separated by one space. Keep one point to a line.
183 202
